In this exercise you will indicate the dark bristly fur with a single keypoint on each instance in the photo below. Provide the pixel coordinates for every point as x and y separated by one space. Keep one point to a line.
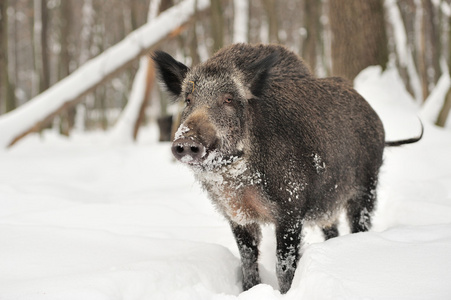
271 143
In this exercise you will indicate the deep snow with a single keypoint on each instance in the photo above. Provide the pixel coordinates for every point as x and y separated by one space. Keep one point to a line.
81 219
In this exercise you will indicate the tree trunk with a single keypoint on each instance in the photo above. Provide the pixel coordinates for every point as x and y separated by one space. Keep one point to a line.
67 93
312 15
86 35
217 24
241 21
406 61
444 112
273 23
67 118
422 64
133 11
359 39
429 46
6 88
165 126
45 76
41 56
193 44
150 78
65 21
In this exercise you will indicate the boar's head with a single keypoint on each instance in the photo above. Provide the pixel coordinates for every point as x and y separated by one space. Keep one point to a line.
215 120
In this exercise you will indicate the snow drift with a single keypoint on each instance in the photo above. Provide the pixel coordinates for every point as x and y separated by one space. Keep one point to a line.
83 220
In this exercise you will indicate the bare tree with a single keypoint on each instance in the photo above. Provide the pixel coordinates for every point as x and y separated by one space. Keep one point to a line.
6 88
67 93
428 47
358 36
273 23
67 118
312 17
133 114
444 112
217 24
40 46
150 81
335 37
241 21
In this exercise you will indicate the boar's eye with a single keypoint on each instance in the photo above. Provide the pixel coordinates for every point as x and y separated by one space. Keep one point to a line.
188 100
227 99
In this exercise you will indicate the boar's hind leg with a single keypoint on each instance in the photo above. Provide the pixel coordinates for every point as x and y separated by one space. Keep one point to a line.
330 231
359 210
248 238
288 234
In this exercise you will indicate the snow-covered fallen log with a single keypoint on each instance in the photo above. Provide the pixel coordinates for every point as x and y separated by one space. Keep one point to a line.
38 111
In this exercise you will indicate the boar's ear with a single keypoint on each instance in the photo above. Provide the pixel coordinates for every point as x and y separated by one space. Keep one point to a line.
172 72
260 71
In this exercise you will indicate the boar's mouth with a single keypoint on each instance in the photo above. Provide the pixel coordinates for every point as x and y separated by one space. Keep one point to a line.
194 153
215 160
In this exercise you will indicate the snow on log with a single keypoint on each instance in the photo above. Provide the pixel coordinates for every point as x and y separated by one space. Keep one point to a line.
40 110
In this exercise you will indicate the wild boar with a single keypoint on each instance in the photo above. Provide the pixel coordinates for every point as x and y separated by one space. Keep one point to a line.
271 143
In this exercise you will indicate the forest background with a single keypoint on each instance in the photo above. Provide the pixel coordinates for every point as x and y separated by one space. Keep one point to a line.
44 41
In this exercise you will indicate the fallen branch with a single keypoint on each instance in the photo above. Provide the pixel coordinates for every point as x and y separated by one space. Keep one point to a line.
39 111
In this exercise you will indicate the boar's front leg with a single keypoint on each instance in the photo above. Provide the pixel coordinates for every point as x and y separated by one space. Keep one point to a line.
288 235
248 238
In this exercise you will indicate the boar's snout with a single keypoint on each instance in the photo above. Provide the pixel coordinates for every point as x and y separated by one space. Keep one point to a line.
188 150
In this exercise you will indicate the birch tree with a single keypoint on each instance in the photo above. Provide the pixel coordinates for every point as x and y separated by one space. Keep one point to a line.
241 21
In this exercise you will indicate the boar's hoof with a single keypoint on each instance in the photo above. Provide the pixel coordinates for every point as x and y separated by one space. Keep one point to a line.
188 151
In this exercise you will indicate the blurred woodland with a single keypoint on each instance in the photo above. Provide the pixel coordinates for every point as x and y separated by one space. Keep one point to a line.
44 41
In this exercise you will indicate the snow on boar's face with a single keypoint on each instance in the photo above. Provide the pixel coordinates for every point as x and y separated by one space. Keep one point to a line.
215 119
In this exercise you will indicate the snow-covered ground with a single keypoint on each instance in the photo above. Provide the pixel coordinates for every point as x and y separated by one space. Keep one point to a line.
82 219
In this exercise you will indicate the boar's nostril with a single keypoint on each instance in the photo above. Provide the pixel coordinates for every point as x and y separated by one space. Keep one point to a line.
194 149
179 149
188 150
